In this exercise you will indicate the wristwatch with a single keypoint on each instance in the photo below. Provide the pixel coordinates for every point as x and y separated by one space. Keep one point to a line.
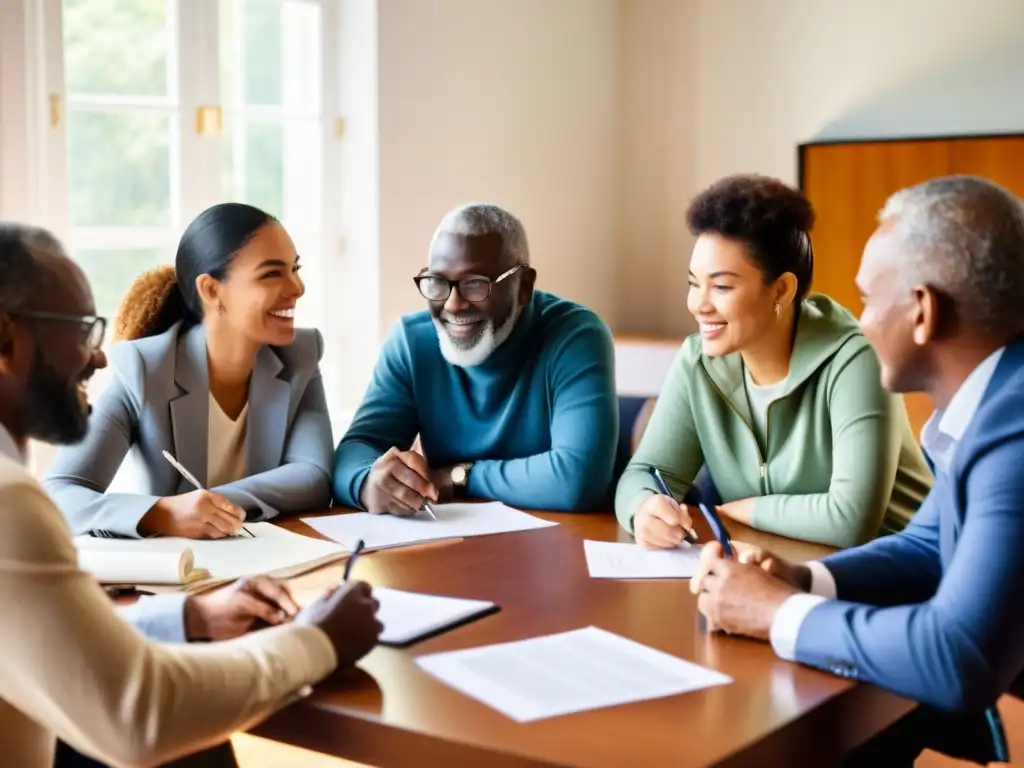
460 477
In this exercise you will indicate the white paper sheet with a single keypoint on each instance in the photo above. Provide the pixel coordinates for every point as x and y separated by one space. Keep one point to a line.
272 549
569 672
407 616
454 521
610 560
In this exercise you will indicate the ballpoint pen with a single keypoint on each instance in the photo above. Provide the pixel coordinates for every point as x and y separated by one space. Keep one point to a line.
360 545
428 507
690 534
192 479
717 528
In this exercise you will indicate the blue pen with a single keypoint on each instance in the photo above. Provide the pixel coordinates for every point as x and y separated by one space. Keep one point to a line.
717 527
360 545
691 535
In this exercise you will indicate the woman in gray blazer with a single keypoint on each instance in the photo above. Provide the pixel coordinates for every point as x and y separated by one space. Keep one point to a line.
212 370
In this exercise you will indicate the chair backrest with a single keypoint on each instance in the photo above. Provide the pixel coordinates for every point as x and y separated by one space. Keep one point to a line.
634 413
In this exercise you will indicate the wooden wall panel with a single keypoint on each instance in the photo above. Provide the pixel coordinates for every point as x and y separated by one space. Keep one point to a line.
999 159
848 184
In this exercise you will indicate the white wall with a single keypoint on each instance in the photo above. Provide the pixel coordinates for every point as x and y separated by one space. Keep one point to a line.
510 101
775 73
354 274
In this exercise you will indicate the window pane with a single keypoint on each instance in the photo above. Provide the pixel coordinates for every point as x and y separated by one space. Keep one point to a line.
253 170
251 51
119 169
117 46
253 34
111 272
276 166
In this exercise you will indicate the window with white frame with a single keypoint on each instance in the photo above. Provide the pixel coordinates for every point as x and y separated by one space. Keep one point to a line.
173 105
132 116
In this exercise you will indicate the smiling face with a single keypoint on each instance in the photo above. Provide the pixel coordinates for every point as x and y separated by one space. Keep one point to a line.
469 332
892 314
728 296
261 288
55 406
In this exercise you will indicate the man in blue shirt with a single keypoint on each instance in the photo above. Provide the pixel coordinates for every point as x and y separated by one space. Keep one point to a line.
510 390
932 613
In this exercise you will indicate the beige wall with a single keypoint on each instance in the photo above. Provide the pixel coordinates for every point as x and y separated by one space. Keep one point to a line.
510 101
657 162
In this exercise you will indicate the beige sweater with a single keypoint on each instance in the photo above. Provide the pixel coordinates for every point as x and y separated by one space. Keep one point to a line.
70 667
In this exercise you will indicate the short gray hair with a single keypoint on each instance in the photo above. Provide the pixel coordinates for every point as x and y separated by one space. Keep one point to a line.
965 238
21 275
487 219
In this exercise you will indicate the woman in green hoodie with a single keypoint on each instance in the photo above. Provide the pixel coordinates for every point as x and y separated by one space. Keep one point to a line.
779 393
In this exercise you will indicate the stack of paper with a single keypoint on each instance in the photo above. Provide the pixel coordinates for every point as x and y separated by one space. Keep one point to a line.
565 673
454 521
273 551
608 560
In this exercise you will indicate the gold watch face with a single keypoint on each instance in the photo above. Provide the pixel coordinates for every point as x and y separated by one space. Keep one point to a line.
459 475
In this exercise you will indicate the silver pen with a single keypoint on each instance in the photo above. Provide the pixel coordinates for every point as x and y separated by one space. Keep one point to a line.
192 479
429 509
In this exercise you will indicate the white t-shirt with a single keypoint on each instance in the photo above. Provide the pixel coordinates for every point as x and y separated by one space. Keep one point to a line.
759 398
225 452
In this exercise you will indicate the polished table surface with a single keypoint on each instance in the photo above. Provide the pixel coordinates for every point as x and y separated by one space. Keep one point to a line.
389 712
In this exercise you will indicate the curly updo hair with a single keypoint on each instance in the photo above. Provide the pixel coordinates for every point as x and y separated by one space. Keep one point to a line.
166 295
771 218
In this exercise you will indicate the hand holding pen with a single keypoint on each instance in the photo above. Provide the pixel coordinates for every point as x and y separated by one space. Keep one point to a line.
200 514
661 522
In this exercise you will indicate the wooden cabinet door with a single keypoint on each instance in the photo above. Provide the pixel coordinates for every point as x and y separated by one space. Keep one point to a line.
848 184
998 159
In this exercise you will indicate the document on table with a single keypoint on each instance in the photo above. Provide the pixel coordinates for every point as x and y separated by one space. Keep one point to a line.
569 672
610 560
454 521
411 616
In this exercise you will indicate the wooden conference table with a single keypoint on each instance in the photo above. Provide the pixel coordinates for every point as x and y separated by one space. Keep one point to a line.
390 713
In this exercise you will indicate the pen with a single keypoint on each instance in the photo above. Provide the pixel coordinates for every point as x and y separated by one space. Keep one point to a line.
691 535
192 479
717 527
429 509
360 545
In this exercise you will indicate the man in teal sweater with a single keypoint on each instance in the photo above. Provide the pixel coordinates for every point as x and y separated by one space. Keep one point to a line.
511 390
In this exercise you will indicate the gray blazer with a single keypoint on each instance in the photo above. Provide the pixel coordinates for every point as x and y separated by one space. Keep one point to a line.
158 399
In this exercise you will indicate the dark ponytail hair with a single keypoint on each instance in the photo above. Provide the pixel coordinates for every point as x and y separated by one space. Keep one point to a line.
773 219
164 296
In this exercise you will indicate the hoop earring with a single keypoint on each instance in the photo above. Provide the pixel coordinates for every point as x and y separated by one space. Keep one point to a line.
778 310
220 308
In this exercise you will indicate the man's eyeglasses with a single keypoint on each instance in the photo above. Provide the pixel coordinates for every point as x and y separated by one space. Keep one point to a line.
93 328
474 289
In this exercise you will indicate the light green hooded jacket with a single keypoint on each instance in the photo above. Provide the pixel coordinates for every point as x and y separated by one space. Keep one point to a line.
842 463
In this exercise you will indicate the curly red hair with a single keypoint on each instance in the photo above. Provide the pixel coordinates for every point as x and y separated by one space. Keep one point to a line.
145 309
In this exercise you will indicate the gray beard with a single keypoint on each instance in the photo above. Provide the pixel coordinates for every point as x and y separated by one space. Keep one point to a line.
475 351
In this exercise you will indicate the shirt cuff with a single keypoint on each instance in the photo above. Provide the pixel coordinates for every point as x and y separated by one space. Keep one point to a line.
822 581
786 624
161 617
